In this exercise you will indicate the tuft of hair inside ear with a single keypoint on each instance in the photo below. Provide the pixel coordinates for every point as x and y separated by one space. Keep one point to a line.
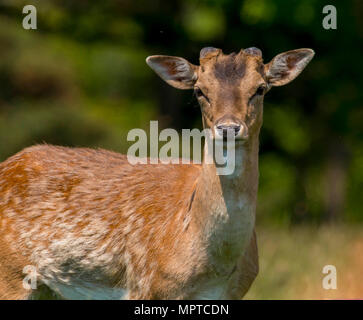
286 66
176 71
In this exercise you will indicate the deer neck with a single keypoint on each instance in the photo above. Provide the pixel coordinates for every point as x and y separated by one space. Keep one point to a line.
225 204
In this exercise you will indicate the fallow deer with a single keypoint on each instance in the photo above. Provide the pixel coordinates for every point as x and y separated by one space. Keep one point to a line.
96 227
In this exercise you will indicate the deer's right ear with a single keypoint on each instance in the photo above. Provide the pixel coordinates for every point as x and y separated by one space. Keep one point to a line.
176 71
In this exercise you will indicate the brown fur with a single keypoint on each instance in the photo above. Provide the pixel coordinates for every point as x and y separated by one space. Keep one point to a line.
88 218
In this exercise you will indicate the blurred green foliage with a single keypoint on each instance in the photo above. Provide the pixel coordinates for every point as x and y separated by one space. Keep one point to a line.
80 79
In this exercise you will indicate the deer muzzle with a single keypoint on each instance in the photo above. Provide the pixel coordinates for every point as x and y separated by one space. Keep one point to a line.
236 130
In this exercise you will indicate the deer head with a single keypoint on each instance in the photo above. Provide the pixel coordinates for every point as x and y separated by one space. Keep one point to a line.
230 88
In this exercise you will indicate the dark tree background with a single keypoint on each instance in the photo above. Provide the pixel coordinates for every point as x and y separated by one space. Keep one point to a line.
80 79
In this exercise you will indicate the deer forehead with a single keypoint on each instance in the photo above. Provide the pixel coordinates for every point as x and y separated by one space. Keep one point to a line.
241 69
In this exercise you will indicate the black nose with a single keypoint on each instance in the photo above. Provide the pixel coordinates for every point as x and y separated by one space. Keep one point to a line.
223 129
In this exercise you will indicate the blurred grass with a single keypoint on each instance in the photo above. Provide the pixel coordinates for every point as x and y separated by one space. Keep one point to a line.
292 260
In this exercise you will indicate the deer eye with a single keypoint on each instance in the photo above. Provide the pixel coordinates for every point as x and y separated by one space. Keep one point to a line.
260 90
199 93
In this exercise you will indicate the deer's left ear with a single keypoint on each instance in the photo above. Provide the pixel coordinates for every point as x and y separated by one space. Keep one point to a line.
176 71
286 66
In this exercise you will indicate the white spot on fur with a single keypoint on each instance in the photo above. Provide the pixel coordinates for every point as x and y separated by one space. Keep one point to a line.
87 291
